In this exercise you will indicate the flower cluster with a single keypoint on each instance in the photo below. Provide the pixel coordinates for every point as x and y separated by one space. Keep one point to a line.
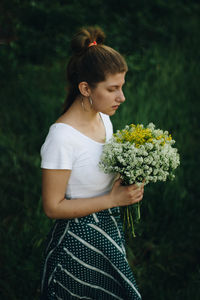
139 153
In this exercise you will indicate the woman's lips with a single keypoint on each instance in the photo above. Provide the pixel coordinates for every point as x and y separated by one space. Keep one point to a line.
115 106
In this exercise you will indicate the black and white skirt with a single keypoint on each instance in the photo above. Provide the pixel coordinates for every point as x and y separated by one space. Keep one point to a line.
85 259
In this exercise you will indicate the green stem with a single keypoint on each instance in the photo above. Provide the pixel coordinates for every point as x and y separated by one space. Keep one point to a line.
128 219
132 226
138 211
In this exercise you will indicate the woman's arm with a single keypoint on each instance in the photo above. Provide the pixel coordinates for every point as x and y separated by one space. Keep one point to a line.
54 183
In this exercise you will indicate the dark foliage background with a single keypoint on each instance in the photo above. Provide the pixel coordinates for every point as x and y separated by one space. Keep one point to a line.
160 40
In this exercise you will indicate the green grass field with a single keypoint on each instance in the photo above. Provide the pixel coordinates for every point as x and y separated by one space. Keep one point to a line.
162 86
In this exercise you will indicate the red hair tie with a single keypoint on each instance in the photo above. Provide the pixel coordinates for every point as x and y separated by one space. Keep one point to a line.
92 44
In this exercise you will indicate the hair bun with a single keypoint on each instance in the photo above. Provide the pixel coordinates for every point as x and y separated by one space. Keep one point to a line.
84 37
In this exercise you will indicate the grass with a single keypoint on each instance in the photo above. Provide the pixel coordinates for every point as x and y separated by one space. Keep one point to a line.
162 87
165 253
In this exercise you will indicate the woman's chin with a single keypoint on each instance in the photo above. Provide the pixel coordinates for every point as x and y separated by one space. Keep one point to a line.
109 113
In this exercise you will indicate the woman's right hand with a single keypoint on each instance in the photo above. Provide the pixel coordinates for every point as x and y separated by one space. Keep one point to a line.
121 195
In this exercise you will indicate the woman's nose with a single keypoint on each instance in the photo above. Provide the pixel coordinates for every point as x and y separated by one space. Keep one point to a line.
121 96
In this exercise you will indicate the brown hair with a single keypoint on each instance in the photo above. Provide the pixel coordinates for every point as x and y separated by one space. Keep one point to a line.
90 63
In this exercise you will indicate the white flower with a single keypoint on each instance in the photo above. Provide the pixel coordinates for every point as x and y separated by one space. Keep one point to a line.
153 161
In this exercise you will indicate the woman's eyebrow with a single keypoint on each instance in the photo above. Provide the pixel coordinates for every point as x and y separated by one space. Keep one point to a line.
116 85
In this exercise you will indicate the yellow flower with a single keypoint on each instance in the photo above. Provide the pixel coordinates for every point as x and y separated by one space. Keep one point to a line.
139 135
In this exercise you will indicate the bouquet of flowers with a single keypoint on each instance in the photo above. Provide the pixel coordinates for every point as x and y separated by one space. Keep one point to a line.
139 155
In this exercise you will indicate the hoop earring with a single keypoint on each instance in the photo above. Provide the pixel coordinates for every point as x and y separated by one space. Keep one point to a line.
90 100
82 104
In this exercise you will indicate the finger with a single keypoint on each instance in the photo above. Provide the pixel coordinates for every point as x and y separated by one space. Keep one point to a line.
134 186
139 199
117 182
137 192
141 188
136 200
117 176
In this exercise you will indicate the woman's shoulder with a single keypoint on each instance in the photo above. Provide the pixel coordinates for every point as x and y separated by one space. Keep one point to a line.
61 133
61 130
58 150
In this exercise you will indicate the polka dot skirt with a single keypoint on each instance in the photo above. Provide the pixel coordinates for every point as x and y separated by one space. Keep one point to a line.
85 259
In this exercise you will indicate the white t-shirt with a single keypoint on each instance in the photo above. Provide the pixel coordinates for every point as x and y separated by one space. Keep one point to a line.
67 148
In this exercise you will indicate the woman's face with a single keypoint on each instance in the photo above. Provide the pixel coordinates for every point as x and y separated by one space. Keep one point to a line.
108 94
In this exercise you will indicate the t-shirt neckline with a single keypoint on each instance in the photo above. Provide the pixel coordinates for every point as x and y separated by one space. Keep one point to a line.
85 136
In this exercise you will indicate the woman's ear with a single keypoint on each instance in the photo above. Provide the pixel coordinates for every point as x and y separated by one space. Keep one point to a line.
84 88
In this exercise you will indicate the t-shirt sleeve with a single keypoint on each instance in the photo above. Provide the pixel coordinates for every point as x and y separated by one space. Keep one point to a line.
57 151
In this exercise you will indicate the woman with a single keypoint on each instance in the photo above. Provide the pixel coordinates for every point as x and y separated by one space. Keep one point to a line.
85 255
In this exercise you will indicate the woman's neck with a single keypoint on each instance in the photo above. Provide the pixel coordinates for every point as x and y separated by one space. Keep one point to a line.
80 112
